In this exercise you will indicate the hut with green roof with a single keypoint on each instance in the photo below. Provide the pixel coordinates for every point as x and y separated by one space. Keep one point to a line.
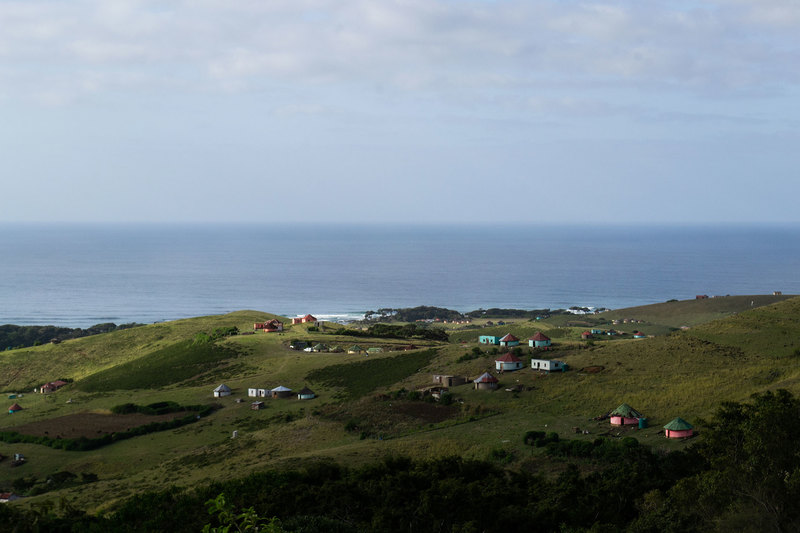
625 415
355 349
678 428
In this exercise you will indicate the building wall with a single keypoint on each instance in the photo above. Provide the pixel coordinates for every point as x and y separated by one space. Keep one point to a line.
671 434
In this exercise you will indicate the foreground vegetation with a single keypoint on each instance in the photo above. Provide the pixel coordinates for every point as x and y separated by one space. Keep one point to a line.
743 476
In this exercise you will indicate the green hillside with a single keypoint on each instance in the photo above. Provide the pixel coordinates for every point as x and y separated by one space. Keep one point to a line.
371 406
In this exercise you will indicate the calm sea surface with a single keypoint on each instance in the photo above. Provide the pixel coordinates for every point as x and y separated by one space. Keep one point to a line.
79 275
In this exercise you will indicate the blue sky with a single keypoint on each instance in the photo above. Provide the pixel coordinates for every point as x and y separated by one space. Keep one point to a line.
400 111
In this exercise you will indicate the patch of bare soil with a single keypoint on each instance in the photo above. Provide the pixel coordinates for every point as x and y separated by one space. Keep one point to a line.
89 425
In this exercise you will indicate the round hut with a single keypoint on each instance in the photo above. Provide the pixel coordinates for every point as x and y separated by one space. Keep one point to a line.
485 382
222 390
306 394
678 428
508 363
281 392
509 340
625 415
540 340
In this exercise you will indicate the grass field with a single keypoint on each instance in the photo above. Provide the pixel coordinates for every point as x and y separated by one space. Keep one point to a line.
730 351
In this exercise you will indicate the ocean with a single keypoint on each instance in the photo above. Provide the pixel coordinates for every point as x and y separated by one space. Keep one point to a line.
77 275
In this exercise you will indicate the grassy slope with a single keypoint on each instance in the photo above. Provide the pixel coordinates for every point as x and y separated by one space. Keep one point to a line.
685 374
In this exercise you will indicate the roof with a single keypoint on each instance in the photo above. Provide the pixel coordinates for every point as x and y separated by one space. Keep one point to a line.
281 388
309 317
15 407
222 388
540 337
678 424
486 378
306 390
627 411
356 347
509 338
509 358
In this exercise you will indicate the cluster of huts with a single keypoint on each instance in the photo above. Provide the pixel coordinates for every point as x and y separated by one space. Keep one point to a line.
279 392
539 340
52 386
625 415
275 325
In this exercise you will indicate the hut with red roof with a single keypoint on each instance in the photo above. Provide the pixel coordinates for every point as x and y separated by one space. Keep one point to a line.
540 340
508 362
509 340
304 319
486 381
269 326
14 408
586 335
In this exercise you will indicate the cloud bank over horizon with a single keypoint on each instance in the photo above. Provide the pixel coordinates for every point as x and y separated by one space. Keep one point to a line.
438 111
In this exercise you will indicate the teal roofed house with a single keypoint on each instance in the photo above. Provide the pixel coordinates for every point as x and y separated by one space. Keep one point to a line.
625 415
489 339
678 428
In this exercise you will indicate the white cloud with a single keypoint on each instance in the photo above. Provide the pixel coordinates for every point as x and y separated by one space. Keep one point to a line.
408 45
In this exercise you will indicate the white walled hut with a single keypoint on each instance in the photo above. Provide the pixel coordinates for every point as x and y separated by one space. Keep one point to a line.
281 392
548 365
306 394
508 362
222 390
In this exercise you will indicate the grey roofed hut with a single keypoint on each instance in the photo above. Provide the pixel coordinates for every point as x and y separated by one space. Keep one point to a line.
281 392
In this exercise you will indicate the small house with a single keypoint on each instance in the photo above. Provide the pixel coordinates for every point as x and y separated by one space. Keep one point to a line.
355 349
319 347
678 428
449 381
269 326
587 335
306 394
14 408
257 406
489 339
486 381
281 392
639 335
597 331
508 363
52 386
509 340
540 340
548 365
304 319
625 415
257 393
6 497
374 350
222 390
